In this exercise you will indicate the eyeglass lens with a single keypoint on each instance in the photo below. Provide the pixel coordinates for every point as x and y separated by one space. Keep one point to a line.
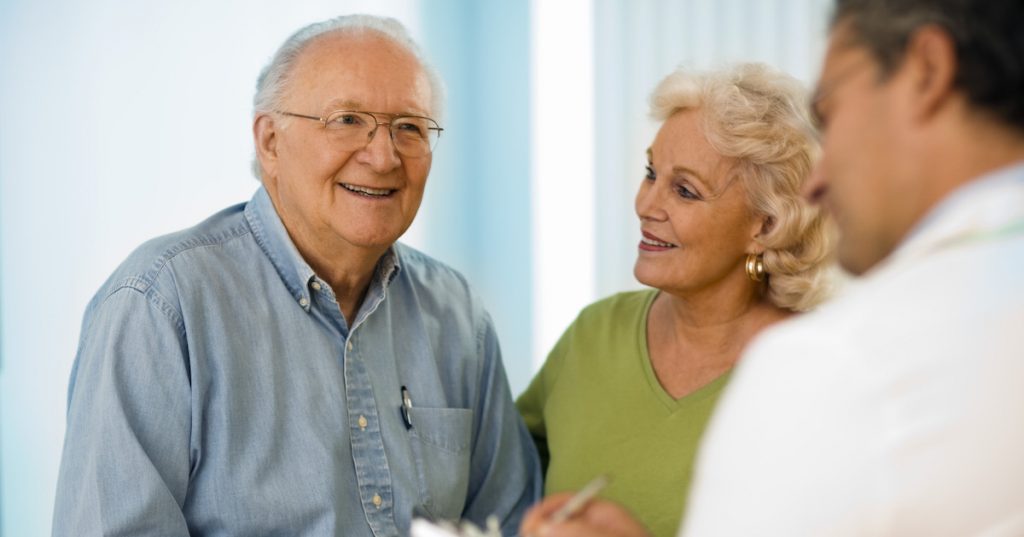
413 136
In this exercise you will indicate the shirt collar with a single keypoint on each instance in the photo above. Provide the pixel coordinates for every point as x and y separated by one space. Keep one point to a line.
272 237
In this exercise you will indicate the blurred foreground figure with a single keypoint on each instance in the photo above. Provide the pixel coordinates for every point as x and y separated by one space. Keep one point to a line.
909 415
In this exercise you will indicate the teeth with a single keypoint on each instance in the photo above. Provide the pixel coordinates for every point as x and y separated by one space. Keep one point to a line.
653 242
365 190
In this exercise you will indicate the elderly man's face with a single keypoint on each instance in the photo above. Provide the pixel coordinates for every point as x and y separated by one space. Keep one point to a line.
329 198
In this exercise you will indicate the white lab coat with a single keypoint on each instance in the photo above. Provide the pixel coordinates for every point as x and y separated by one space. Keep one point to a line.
895 410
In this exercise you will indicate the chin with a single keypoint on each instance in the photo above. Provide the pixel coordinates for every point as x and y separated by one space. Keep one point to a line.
368 236
375 242
645 277
855 262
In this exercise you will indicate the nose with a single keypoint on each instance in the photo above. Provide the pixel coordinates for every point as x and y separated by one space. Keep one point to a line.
380 152
649 202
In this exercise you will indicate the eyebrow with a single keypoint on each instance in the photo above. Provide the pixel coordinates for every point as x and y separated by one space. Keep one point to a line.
343 104
347 104
677 170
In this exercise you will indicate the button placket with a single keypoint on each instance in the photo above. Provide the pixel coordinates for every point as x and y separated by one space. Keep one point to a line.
373 473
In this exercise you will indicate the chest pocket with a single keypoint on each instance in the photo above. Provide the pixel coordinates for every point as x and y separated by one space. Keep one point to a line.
441 441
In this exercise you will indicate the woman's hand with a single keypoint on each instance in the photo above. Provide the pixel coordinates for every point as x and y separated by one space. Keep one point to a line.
598 518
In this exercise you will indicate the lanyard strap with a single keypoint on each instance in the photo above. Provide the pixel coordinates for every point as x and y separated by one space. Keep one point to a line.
1013 228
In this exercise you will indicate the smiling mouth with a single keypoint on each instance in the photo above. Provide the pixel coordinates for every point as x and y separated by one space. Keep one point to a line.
367 191
659 244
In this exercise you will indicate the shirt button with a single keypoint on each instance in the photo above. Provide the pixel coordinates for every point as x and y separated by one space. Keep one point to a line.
377 500
303 302
349 345
363 423
315 285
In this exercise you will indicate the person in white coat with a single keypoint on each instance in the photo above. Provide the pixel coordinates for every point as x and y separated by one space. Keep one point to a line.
897 409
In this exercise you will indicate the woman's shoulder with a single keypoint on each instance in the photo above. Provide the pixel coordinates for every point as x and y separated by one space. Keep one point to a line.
627 304
602 332
613 316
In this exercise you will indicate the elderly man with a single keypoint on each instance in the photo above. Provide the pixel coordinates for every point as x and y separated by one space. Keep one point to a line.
897 410
285 367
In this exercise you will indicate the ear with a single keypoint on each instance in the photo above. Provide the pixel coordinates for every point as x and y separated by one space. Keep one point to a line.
264 133
761 226
930 66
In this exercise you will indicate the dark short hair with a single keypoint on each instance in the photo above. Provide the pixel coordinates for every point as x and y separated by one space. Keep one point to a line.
988 36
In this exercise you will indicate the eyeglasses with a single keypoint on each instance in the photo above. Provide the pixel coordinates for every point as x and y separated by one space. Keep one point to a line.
349 130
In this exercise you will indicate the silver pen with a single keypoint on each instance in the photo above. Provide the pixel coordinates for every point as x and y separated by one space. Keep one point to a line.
580 499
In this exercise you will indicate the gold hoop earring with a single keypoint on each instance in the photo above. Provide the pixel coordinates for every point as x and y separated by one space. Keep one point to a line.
755 267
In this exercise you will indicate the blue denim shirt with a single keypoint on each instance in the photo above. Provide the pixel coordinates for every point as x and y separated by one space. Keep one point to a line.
219 391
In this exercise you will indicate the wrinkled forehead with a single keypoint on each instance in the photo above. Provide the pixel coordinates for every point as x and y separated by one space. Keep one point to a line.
361 70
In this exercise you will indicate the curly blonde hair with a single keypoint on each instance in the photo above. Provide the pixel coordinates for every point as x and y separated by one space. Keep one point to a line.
758 116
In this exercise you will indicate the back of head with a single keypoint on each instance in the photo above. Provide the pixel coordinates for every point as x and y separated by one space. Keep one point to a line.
272 83
759 117
987 34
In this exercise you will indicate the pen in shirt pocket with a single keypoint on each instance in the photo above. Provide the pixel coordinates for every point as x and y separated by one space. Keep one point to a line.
406 407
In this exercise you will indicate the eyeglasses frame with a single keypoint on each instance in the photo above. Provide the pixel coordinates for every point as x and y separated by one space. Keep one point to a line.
377 123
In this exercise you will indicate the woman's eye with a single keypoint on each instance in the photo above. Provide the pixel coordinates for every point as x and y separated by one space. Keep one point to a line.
649 175
685 192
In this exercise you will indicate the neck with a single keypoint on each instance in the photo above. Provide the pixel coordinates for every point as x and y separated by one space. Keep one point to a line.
965 151
347 268
717 321
693 341
348 275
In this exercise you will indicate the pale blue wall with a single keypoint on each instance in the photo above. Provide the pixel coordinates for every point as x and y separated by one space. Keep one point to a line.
478 207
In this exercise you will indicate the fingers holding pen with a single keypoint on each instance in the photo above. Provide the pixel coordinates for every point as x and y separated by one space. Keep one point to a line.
599 518
539 514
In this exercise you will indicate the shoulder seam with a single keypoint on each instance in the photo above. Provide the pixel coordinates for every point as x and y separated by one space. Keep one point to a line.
154 298
149 277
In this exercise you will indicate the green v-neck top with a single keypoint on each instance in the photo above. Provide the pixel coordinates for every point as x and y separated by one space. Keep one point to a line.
596 407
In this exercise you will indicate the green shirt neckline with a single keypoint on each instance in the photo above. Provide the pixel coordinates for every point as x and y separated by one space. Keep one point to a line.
711 389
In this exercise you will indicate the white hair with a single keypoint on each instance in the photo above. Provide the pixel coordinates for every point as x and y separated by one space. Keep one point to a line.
272 83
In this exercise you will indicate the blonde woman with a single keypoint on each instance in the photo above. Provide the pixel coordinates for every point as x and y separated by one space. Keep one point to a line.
728 247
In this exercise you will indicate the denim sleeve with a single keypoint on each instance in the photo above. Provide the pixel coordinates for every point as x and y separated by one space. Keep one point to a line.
126 460
504 470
